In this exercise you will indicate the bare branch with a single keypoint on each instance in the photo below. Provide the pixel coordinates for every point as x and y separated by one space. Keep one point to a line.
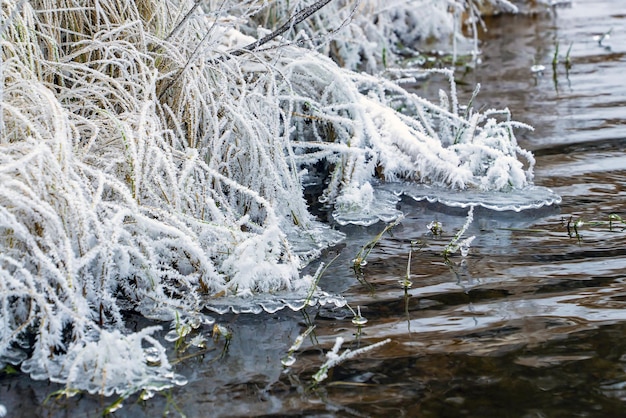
293 20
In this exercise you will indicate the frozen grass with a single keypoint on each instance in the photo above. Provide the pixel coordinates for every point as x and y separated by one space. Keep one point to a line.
368 35
145 166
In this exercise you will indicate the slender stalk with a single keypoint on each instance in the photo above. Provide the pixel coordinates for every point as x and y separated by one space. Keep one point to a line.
291 22
4 26
184 19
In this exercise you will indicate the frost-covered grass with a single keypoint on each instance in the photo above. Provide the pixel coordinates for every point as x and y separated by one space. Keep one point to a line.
144 166
371 34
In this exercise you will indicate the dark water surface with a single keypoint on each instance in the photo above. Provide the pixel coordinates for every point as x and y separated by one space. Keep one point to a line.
532 323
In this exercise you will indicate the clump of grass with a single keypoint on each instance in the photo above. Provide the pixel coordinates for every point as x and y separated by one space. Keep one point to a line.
152 160
375 35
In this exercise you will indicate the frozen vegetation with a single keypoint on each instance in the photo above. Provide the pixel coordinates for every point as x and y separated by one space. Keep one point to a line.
148 163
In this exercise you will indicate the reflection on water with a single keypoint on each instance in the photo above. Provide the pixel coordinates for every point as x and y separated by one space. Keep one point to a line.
530 324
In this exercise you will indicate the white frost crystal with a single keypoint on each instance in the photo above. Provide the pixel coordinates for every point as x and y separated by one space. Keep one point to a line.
143 168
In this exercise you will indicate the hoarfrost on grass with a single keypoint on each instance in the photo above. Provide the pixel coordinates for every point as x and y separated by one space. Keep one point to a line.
146 166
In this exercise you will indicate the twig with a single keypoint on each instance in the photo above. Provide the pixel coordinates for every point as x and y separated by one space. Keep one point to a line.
185 19
293 20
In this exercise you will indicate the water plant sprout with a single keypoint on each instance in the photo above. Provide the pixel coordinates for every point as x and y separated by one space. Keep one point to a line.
406 282
614 217
357 319
147 164
464 245
360 260
290 359
435 228
603 37
573 225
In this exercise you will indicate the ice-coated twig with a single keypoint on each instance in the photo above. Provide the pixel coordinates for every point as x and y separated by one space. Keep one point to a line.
334 358
454 245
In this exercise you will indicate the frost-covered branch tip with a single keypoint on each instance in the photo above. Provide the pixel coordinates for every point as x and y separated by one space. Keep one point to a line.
335 359
299 17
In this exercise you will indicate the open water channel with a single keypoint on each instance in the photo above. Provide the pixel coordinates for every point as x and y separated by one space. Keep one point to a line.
531 323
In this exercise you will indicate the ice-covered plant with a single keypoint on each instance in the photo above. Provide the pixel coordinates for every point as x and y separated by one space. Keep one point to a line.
152 159
360 260
290 359
435 228
455 244
334 358
368 35
357 319
406 282
116 197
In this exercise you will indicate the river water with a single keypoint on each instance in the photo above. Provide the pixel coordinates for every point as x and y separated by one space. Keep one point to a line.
531 323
